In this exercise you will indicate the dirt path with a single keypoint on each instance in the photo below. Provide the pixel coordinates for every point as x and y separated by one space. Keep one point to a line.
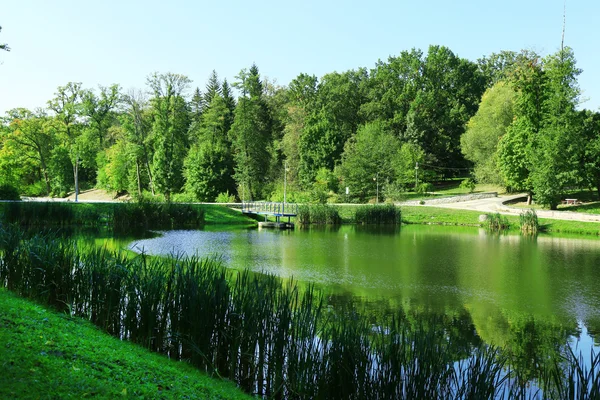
496 205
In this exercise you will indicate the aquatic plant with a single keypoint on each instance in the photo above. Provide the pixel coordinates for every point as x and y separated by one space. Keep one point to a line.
529 222
318 214
377 214
496 222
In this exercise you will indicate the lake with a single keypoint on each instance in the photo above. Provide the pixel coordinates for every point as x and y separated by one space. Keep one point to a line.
515 291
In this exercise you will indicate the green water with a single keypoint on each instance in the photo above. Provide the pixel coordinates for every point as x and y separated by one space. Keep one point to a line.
511 288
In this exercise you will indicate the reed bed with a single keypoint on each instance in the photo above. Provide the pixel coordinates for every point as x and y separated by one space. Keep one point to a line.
261 332
496 222
385 214
529 222
321 214
147 215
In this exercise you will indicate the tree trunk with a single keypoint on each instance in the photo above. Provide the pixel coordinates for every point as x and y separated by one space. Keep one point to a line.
150 176
139 178
529 198
76 176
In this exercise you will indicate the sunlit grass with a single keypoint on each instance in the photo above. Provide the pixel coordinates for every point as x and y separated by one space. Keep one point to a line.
50 355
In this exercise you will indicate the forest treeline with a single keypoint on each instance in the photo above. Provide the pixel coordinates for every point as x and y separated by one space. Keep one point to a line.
510 118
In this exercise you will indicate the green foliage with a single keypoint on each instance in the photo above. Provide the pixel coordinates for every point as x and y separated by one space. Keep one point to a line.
9 192
61 171
225 198
114 165
468 184
479 143
143 214
496 222
542 149
529 222
318 214
369 159
332 118
377 214
251 134
424 188
207 170
169 130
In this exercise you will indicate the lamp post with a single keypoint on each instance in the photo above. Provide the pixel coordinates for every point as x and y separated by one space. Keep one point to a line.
416 175
376 179
285 168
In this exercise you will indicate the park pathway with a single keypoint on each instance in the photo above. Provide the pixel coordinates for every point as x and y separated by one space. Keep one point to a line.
497 205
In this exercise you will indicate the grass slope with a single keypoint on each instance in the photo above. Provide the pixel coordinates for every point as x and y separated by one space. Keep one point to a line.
447 216
221 215
46 355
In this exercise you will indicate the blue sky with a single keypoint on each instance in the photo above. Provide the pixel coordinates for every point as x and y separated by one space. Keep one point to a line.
105 42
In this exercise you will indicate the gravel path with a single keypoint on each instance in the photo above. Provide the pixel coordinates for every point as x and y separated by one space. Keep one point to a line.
496 204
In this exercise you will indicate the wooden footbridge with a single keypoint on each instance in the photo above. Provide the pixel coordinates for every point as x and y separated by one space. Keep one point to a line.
270 209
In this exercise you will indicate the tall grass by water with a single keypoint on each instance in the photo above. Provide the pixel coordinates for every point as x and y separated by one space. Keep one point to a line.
496 222
321 214
266 335
385 214
148 215
529 222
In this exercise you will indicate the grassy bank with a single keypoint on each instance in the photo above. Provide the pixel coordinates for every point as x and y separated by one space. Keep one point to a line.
49 355
448 216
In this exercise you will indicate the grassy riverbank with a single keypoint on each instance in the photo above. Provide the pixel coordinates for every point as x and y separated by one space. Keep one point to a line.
448 216
50 355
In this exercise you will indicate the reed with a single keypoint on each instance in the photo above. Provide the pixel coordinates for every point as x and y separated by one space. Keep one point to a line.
378 214
149 215
496 222
322 214
529 222
269 337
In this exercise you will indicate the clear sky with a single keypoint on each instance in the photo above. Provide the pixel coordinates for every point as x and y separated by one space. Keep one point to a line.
105 42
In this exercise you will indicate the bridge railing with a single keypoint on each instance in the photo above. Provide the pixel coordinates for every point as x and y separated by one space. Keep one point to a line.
265 207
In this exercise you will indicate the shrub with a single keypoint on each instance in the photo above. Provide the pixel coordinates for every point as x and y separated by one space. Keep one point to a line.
424 188
468 184
9 192
225 198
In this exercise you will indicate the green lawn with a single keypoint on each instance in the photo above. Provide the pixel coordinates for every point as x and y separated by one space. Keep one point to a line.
447 216
222 215
45 355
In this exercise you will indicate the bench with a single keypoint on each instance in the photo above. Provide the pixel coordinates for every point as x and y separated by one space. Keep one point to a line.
570 201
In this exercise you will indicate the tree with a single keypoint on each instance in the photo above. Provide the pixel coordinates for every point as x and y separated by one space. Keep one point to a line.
331 121
213 88
589 149
67 105
136 122
100 110
555 165
208 168
479 143
369 159
251 134
539 152
169 130
4 46
35 133
449 95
